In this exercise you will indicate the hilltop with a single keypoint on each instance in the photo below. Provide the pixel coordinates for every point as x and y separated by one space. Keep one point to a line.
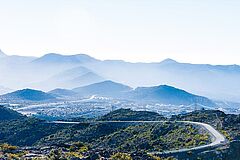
130 115
105 88
27 95
168 95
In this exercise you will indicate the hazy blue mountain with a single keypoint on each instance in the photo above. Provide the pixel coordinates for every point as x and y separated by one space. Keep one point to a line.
27 95
56 71
105 88
167 95
12 60
59 92
214 81
78 76
70 78
54 58
14 71
86 79
168 61
8 114
71 73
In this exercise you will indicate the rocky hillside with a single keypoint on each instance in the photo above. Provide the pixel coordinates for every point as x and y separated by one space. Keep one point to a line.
228 124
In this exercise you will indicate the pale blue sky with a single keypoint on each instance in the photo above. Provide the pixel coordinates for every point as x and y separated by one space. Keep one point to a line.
196 31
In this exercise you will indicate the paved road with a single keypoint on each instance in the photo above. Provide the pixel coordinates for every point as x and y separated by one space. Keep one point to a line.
217 138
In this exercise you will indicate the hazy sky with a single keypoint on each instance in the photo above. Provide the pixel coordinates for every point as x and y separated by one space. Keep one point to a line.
197 31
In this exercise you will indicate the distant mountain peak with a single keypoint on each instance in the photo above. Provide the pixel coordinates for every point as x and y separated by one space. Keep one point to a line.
83 56
164 86
62 55
2 54
105 88
159 87
109 83
168 61
169 95
53 58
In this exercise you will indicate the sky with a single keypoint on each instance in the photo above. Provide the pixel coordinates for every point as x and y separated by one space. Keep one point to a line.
203 31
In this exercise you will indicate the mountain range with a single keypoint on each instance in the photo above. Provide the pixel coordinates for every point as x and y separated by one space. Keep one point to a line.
160 94
53 71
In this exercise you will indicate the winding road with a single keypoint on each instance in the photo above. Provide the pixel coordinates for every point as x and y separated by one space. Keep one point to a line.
217 138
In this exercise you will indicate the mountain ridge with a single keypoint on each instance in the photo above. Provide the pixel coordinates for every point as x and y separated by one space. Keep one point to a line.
27 95
166 60
182 75
164 94
59 58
